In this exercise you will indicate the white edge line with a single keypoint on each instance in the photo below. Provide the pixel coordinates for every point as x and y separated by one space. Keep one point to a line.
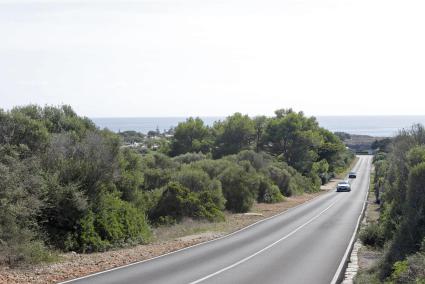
189 247
265 248
344 259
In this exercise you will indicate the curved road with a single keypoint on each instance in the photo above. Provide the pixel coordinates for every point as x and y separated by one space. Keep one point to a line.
306 244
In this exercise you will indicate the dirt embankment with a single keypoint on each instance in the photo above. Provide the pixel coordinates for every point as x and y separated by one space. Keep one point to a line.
167 239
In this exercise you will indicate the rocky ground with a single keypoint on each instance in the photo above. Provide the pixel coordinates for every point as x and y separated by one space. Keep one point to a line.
167 239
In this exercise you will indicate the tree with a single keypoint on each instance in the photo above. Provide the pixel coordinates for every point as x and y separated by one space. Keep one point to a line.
295 138
233 134
330 150
260 123
21 202
191 136
411 232
400 177
343 135
18 128
381 145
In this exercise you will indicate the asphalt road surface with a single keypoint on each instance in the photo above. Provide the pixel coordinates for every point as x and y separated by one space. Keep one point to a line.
306 244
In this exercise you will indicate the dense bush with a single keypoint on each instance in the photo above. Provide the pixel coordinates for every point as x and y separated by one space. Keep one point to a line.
130 179
411 230
289 181
372 236
268 192
411 270
282 178
178 201
22 191
156 178
111 222
240 187
58 175
258 161
213 167
189 158
194 179
399 185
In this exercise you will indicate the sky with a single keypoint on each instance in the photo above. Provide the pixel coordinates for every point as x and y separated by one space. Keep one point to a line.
118 58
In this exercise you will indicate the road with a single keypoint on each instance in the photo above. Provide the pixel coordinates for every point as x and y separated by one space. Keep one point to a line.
306 244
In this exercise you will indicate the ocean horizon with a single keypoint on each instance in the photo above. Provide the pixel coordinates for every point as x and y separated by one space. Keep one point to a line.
378 126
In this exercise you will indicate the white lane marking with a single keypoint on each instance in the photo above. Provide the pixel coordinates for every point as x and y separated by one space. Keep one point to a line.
344 259
264 249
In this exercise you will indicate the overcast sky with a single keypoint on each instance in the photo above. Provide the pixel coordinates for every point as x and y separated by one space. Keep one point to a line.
214 57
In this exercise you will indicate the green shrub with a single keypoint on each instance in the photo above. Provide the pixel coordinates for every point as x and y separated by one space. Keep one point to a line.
399 270
212 167
372 235
113 222
147 200
155 178
22 191
411 230
269 193
189 158
258 161
89 238
194 179
240 188
289 181
66 205
281 178
131 176
212 204
27 252
367 277
178 201
155 160
410 270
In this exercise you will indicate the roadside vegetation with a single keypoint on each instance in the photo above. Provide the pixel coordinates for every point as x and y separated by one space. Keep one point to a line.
399 233
67 185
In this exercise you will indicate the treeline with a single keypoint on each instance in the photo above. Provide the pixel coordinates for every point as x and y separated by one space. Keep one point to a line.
399 185
67 185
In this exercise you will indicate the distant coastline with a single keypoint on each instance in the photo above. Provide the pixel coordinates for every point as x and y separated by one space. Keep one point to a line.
379 126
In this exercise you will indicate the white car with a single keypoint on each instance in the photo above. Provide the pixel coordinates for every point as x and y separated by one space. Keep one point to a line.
343 186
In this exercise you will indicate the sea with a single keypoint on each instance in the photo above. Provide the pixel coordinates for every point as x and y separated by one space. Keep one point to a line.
377 126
